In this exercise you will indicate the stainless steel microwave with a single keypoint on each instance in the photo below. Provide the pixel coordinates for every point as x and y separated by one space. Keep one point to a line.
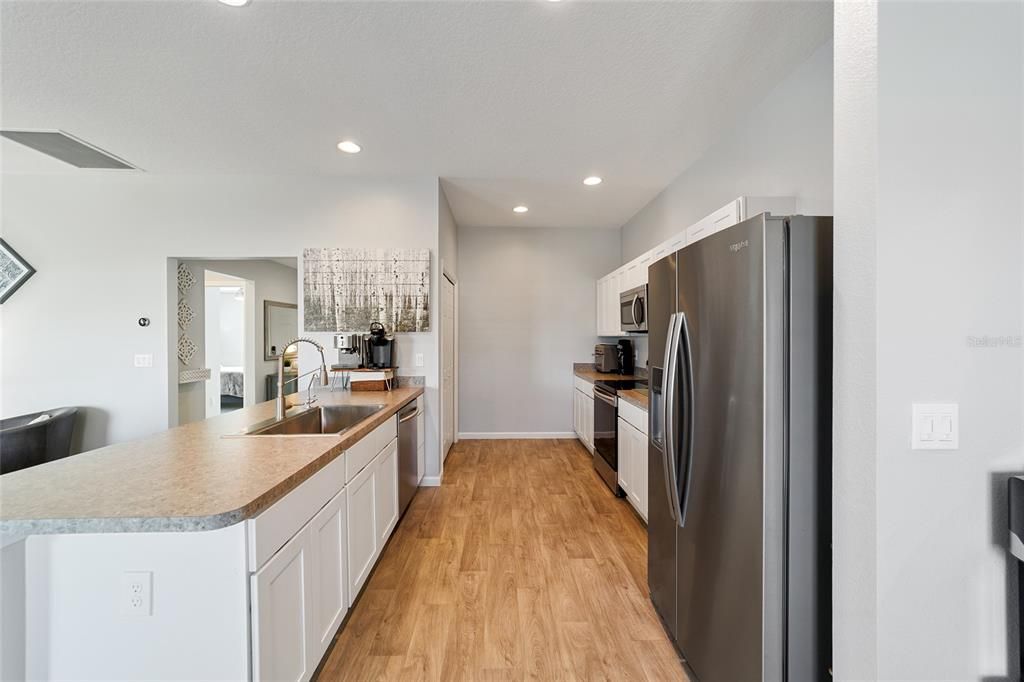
633 309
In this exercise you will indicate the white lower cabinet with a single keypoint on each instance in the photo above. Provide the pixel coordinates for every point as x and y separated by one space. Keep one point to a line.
386 494
281 619
583 417
328 538
588 422
372 514
362 528
633 466
299 597
302 588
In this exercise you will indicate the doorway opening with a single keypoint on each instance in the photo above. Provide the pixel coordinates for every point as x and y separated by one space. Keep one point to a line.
209 375
227 338
449 364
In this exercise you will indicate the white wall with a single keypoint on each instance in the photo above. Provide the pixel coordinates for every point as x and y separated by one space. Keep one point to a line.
949 266
70 333
198 627
448 244
782 147
854 444
527 308
929 254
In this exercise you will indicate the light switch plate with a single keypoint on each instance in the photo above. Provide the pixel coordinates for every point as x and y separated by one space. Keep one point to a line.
935 426
143 360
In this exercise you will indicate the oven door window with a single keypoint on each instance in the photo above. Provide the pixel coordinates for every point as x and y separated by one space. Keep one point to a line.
626 309
606 432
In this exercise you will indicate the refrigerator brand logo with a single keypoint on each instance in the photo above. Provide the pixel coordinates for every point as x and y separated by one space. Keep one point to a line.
738 246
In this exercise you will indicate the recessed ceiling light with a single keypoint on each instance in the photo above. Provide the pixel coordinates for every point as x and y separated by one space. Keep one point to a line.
234 3
592 180
520 209
349 147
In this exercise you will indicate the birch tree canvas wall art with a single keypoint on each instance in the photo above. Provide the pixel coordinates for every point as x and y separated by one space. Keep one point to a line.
344 290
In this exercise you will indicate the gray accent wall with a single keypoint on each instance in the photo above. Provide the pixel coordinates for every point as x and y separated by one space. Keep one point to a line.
527 312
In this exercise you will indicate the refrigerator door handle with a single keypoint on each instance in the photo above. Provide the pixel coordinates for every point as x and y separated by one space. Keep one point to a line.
688 420
668 387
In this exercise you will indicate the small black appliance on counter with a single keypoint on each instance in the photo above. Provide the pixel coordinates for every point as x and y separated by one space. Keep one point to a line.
624 353
378 348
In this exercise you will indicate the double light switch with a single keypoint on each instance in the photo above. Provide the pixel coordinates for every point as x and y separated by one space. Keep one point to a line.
935 426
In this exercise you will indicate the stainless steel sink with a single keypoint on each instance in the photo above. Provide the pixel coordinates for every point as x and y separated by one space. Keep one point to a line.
327 420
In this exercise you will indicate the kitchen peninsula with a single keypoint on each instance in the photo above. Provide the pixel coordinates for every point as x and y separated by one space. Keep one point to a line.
246 552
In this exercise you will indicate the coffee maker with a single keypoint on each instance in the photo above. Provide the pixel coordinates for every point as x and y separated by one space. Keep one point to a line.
624 351
378 348
349 355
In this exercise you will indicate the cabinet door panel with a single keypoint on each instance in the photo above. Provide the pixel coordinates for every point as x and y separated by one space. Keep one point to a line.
625 458
280 617
640 471
386 494
588 422
329 545
362 529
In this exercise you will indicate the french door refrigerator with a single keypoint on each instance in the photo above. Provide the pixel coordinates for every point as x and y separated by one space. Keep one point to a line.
740 348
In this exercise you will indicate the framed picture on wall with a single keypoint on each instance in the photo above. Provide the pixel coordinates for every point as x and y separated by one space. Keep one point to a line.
14 270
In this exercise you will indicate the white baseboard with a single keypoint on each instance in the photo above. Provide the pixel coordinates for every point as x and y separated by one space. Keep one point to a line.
494 435
430 481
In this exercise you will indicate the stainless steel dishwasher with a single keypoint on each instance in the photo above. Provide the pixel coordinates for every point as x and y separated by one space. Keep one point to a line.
408 476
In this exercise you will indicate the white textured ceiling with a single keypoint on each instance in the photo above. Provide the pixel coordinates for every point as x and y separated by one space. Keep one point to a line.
509 102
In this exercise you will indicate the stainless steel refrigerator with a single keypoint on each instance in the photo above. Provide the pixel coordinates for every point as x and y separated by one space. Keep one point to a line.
740 348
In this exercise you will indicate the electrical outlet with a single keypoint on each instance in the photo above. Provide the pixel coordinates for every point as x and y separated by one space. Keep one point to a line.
419 359
144 360
137 593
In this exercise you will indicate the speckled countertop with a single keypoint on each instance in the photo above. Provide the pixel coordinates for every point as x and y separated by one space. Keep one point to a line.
636 396
187 478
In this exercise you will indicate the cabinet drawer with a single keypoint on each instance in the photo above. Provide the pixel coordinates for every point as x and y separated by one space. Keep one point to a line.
275 525
584 386
363 452
636 416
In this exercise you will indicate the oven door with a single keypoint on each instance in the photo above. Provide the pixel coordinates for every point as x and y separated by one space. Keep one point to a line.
606 429
633 309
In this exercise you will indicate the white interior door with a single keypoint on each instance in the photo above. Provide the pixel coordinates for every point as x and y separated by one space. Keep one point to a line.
447 365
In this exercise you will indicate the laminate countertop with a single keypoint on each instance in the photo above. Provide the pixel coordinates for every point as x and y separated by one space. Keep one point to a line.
189 478
585 370
636 396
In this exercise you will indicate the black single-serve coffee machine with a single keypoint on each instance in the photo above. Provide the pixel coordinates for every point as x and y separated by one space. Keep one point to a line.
378 348
624 350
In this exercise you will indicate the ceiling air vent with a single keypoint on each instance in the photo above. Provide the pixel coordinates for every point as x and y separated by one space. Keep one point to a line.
67 148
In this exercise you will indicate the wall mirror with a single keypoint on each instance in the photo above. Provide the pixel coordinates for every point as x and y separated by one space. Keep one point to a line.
280 325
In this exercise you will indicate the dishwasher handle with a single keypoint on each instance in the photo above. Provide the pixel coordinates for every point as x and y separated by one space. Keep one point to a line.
413 415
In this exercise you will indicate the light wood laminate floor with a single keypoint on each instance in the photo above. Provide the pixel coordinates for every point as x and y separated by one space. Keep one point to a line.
521 566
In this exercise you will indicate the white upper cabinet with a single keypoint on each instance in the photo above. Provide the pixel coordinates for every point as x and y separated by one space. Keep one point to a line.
634 273
727 216
738 211
608 290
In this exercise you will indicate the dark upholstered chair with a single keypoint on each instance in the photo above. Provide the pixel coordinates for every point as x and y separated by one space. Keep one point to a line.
24 445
